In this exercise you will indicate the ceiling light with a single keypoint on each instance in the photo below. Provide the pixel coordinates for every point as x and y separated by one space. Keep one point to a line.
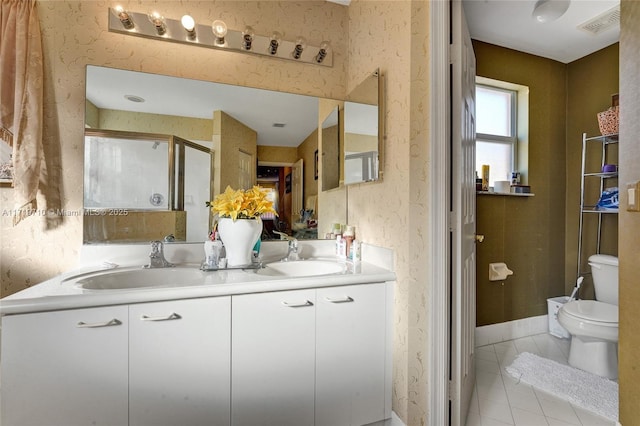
158 21
189 25
549 10
247 38
219 29
134 98
274 42
124 17
301 43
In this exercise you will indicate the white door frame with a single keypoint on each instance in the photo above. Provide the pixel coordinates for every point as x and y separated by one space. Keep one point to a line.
439 214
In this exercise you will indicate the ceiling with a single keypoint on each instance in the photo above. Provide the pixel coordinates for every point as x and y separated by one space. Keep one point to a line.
509 23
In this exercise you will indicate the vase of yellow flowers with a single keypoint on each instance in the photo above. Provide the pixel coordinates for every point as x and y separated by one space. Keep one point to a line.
239 223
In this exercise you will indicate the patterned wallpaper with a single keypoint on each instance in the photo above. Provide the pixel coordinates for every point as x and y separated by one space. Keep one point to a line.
369 34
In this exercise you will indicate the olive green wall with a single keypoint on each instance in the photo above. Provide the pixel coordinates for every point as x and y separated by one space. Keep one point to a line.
590 83
537 237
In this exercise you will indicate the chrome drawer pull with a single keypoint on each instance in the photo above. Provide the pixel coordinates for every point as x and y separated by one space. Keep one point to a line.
346 299
111 323
172 316
297 304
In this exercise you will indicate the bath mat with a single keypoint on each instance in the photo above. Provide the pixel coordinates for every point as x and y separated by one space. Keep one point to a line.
583 389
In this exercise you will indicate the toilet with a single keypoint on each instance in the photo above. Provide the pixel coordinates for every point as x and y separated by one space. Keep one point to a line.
593 324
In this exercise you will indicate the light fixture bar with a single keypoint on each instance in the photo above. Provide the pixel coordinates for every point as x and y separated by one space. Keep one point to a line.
234 40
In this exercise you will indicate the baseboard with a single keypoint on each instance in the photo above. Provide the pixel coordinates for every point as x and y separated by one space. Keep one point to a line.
495 333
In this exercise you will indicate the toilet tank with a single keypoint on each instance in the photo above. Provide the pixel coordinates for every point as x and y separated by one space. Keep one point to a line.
604 269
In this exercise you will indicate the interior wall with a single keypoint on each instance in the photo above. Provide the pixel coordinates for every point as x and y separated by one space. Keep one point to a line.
590 83
527 233
629 244
307 151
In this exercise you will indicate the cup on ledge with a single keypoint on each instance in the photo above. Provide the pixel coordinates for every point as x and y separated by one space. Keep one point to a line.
502 186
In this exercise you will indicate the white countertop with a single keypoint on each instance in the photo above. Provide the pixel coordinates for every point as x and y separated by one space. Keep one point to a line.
61 292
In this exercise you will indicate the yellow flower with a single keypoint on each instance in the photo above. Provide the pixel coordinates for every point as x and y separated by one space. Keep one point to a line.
240 204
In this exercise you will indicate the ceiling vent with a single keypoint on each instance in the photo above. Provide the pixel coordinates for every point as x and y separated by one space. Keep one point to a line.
602 22
279 124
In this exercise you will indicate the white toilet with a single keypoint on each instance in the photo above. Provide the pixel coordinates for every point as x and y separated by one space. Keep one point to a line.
593 324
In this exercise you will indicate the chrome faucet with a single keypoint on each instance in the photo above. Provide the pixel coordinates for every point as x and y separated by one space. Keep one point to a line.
292 253
156 257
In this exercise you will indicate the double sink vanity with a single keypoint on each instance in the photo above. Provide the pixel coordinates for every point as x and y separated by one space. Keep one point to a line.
293 343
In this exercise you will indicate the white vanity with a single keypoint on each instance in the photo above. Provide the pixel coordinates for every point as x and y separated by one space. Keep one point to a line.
234 348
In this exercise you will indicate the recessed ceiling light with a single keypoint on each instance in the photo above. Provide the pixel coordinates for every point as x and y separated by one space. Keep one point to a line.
134 98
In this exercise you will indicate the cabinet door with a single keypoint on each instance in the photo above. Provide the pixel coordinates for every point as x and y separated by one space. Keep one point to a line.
273 340
65 368
179 362
350 355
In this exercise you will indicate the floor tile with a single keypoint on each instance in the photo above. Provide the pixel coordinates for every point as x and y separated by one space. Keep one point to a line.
490 409
559 410
527 418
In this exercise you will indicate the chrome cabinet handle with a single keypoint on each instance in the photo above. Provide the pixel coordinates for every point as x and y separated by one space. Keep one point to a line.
297 304
172 316
111 323
346 299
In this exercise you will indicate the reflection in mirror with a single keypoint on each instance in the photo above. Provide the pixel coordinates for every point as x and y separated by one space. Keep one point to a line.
134 187
363 135
331 151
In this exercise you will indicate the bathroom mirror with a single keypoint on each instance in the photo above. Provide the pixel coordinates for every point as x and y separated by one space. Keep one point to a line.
284 126
363 131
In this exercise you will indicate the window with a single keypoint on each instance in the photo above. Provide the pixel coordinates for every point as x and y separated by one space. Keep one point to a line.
496 131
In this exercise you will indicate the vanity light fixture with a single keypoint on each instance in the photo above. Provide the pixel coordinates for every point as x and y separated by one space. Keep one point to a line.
301 43
274 42
219 29
158 22
216 35
247 37
189 25
322 53
124 17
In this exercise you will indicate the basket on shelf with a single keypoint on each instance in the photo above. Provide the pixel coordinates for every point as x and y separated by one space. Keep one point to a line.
608 120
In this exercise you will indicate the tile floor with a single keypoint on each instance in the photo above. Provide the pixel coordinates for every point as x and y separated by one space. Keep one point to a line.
498 399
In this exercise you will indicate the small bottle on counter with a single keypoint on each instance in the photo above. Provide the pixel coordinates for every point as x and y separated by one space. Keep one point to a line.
356 252
349 235
341 248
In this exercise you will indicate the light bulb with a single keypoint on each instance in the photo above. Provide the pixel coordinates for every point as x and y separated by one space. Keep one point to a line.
301 43
189 25
274 42
124 17
219 29
158 21
322 53
247 37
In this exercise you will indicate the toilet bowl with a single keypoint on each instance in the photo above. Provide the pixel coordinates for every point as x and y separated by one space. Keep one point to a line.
593 324
593 327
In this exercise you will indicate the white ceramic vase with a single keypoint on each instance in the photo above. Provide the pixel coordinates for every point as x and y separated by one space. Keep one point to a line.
239 237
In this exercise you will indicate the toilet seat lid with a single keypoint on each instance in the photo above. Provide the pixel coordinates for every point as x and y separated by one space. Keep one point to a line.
592 310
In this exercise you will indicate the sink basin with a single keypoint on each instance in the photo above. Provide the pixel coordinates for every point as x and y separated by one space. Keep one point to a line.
302 268
123 279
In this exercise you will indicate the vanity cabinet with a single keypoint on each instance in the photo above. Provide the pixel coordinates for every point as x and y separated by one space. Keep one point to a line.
301 357
179 361
310 357
273 340
164 363
65 368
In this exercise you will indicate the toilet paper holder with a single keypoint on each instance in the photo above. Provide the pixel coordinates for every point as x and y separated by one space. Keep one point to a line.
499 271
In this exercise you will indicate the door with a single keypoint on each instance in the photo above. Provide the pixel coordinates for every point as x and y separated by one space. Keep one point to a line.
65 368
350 355
246 167
179 362
297 186
463 226
273 359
